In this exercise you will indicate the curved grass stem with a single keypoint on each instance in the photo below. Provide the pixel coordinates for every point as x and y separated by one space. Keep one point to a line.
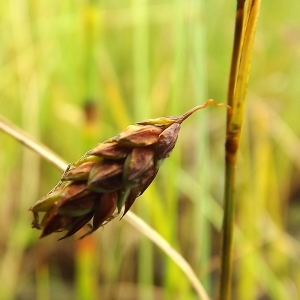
131 218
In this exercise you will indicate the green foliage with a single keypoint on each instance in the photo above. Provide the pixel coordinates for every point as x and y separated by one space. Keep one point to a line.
76 73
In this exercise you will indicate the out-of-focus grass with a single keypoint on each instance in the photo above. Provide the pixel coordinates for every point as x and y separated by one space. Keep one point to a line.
135 60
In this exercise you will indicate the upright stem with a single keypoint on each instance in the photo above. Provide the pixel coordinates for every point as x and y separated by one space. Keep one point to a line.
230 163
228 224
236 51
237 89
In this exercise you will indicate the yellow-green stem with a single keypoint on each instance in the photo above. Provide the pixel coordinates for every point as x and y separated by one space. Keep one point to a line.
228 227
239 75
238 33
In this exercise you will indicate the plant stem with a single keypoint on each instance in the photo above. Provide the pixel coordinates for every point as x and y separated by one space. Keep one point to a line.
28 141
228 227
238 33
237 89
22 137
193 110
230 162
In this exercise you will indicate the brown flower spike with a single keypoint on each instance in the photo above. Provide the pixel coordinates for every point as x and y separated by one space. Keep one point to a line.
108 177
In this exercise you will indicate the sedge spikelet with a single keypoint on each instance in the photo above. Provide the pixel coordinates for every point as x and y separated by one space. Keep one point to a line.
94 189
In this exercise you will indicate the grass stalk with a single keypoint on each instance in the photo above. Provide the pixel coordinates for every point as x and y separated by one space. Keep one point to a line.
239 75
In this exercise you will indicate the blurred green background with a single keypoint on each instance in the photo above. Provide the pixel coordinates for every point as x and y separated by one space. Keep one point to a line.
74 73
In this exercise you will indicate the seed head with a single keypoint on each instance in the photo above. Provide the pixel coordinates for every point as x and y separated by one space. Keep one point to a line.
108 177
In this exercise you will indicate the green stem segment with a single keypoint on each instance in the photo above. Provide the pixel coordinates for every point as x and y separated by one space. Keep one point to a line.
228 228
236 51
230 163
238 82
